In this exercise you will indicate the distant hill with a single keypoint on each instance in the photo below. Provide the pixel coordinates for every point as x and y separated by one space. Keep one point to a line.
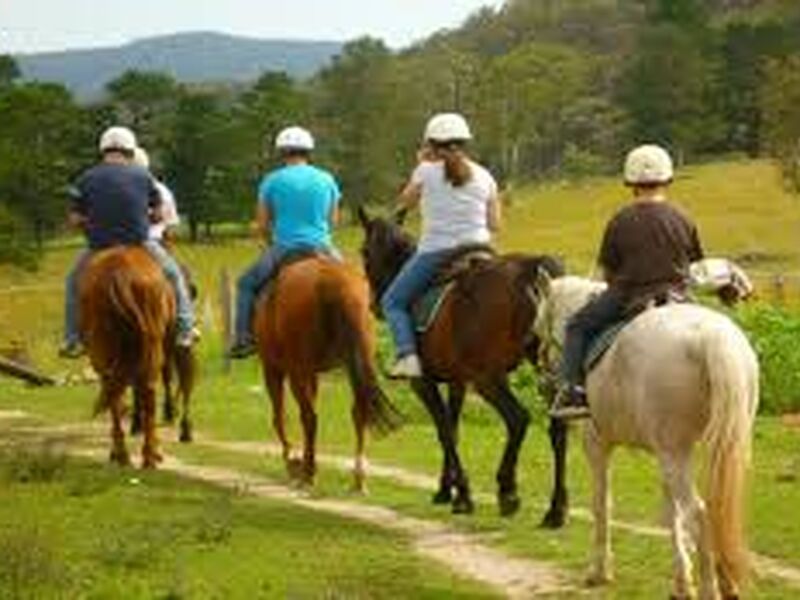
189 57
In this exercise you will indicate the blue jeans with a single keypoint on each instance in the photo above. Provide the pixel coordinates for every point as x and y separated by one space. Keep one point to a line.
415 276
185 310
72 334
255 278
173 273
605 310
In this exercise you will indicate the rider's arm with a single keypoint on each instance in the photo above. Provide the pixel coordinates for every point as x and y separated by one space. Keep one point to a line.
155 203
76 218
609 259
494 213
263 222
336 215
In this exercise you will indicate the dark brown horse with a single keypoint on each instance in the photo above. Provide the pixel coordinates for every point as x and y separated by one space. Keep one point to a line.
127 308
317 317
481 333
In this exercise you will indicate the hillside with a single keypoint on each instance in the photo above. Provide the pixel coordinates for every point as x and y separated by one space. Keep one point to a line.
740 207
189 57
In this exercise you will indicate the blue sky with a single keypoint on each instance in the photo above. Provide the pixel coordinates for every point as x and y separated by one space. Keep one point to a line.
36 25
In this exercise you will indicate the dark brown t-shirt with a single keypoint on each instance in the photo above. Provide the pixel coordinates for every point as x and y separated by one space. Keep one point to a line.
648 247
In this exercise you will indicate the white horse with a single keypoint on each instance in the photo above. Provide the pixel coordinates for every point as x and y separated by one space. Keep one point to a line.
676 375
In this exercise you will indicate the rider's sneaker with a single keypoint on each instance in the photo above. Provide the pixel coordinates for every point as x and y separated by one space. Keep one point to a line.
71 350
187 339
242 349
406 367
570 403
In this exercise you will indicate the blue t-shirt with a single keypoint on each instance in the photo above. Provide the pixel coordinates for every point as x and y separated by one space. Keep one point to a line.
300 199
116 201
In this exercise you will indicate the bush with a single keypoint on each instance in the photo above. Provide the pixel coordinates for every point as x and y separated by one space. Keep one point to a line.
775 335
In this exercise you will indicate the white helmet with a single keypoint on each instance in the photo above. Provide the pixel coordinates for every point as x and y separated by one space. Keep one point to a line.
140 158
648 165
295 138
118 138
448 127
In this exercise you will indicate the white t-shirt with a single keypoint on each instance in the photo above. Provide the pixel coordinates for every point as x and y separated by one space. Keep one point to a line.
454 216
169 213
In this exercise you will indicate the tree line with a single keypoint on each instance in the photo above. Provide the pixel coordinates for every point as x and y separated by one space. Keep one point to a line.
553 89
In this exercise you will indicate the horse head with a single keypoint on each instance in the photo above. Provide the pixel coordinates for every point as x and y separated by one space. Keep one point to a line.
384 251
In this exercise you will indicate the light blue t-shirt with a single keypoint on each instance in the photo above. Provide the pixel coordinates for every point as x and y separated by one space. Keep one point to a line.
300 199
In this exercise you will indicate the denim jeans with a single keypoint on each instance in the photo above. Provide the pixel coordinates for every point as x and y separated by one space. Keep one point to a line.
583 327
255 278
173 273
72 334
415 276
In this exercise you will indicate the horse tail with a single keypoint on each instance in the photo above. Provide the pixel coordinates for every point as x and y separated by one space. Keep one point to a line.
732 371
140 309
379 412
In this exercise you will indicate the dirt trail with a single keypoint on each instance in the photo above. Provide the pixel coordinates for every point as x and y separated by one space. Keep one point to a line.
764 566
519 578
464 554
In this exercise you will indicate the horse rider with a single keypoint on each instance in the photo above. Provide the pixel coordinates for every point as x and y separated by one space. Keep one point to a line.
460 206
162 231
114 203
298 207
646 253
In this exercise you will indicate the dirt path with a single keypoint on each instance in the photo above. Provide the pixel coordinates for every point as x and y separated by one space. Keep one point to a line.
464 554
518 578
764 566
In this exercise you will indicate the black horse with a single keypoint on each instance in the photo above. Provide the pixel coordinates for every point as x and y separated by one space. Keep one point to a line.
482 332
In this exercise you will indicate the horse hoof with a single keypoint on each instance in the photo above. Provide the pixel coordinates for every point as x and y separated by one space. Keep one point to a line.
120 457
186 434
553 520
443 496
509 504
359 490
598 580
463 505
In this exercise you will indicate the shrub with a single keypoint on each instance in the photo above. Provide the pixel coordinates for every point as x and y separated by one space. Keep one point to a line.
775 335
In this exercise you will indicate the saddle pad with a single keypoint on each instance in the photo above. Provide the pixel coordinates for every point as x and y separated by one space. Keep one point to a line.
601 344
425 309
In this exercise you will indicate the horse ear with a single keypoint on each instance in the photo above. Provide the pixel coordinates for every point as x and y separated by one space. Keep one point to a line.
363 217
543 282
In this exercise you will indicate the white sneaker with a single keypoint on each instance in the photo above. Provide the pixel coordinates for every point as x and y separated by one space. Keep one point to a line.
406 367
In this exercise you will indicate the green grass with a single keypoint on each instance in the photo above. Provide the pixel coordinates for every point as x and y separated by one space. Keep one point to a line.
98 532
742 212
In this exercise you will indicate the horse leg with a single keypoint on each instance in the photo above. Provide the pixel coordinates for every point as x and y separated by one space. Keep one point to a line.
498 393
598 454
112 393
273 379
136 415
360 462
169 398
456 394
185 366
688 522
147 391
429 394
304 388
559 500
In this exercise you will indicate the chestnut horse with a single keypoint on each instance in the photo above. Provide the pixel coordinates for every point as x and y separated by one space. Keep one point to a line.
314 317
481 333
127 309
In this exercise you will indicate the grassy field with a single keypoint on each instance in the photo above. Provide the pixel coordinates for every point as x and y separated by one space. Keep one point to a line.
742 213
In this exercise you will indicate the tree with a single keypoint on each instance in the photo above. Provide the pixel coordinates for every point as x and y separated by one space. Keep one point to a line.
40 131
525 96
780 101
144 101
353 108
9 70
668 89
